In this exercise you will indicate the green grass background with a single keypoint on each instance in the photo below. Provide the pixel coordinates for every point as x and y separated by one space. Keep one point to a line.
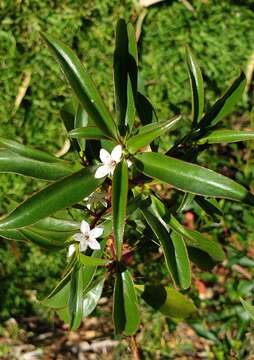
221 34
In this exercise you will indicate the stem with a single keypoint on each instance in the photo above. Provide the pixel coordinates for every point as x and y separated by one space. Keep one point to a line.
134 348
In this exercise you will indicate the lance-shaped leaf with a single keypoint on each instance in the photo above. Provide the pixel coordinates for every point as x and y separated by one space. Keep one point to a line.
89 132
11 162
27 151
132 318
75 301
44 241
191 177
82 85
192 238
225 104
197 87
54 224
210 207
119 203
149 133
81 120
54 197
145 110
12 235
197 240
248 307
60 299
165 240
92 297
119 319
168 301
226 136
131 77
121 72
92 261
182 260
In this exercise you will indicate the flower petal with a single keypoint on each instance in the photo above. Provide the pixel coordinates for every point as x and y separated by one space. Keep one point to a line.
71 250
96 232
129 163
116 153
83 245
102 171
78 237
105 156
93 243
84 227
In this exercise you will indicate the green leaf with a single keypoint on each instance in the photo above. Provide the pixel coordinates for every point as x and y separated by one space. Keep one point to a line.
149 133
89 132
119 319
11 162
210 207
132 77
59 195
60 299
168 301
248 307
119 203
197 240
191 177
90 271
43 241
12 235
226 136
28 152
145 110
82 85
197 87
120 72
165 240
92 297
130 305
182 260
61 225
201 259
225 104
186 202
75 302
92 261
80 121
192 238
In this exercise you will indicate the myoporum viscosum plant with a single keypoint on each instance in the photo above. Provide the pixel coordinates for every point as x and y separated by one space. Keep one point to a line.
114 185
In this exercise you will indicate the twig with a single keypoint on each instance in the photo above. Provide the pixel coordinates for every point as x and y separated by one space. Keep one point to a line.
134 348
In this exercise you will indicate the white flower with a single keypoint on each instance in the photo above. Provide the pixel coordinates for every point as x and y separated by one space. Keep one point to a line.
109 161
96 198
71 250
87 237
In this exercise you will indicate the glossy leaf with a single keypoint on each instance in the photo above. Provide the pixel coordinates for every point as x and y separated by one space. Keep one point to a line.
191 177
89 132
119 319
197 87
150 133
27 151
145 110
82 85
248 307
165 240
80 121
90 271
210 207
226 136
60 299
92 297
225 104
59 195
12 235
186 202
92 261
54 224
121 72
75 302
197 240
11 162
130 305
43 241
132 77
119 203
168 301
182 260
